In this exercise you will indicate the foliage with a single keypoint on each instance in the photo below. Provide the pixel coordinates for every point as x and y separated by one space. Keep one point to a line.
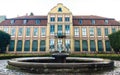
115 41
9 56
107 56
31 14
4 41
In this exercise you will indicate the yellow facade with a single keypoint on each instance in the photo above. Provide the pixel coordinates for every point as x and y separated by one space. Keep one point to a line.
62 12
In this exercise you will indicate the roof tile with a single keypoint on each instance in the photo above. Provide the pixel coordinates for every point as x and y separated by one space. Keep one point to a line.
86 21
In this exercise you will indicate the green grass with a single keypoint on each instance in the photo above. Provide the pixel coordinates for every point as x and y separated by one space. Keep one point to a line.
107 56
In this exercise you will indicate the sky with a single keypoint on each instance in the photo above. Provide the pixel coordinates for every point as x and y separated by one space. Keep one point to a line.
105 8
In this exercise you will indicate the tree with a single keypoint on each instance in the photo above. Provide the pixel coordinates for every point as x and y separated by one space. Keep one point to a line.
31 14
4 41
115 41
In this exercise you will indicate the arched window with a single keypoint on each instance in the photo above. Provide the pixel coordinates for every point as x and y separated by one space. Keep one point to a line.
59 9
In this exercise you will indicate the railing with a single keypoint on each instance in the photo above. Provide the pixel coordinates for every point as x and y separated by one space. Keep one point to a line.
60 35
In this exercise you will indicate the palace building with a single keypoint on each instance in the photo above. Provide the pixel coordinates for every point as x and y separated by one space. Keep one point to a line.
59 30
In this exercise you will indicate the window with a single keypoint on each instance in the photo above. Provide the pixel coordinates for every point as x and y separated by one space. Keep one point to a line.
91 31
52 44
6 29
27 45
20 32
11 46
67 19
77 45
80 22
76 31
52 29
43 31
24 21
12 21
107 44
106 32
27 31
84 45
113 30
92 45
59 9
100 45
52 19
34 45
37 21
35 32
106 21
93 21
19 45
59 19
42 45
13 30
67 29
98 31
59 29
67 44
84 32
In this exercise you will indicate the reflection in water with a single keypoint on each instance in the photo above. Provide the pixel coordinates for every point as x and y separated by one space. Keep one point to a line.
4 70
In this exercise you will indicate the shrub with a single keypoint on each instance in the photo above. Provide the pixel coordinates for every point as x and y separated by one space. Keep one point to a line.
4 41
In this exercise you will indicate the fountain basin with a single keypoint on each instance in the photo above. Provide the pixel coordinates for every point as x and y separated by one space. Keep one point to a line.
48 64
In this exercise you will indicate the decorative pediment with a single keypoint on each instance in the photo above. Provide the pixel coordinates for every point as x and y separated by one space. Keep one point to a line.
59 9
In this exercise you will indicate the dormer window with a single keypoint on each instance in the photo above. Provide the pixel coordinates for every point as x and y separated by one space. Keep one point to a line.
106 21
24 21
93 21
12 21
60 9
37 21
80 22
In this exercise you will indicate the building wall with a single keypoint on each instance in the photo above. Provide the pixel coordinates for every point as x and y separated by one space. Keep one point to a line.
46 38
82 38
56 13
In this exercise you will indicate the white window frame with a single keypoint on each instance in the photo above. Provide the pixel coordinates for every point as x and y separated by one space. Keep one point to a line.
43 34
6 29
36 33
76 31
84 32
91 31
13 29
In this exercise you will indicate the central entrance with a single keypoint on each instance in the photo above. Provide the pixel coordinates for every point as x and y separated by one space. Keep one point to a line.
59 45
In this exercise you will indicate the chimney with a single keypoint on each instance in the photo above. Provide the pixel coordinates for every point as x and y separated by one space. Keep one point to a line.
26 14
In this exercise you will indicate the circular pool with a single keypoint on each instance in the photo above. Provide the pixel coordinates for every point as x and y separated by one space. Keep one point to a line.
72 64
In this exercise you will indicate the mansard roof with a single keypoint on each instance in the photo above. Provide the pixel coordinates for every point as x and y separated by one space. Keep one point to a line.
86 21
99 21
90 17
31 21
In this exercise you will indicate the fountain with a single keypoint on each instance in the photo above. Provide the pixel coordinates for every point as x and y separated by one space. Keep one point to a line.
60 62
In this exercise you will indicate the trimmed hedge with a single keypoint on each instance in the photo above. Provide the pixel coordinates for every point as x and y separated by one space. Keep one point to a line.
107 56
9 56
